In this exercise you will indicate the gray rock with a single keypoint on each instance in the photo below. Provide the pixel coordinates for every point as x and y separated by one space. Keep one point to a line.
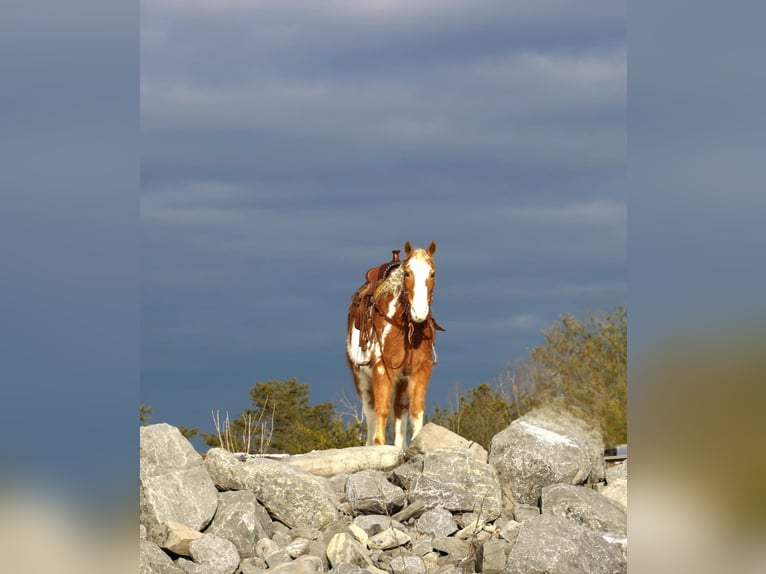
344 548
266 546
437 522
348 568
173 483
303 565
141 532
586 507
242 520
389 538
617 471
252 566
298 547
292 496
217 553
544 447
369 492
522 512
278 558
174 536
375 523
407 565
153 560
433 436
452 479
422 546
494 554
557 545
453 547
510 531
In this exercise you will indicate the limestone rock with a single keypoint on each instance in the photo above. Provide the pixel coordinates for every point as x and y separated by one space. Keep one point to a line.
433 436
369 492
154 561
545 447
451 478
586 507
293 496
173 483
437 522
174 536
560 546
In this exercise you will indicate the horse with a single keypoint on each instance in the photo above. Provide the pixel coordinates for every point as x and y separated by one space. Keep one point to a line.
390 342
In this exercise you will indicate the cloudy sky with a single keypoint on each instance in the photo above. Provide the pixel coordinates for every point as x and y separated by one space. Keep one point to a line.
289 146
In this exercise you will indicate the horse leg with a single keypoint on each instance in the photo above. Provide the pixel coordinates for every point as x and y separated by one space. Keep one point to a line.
381 391
416 389
362 380
401 413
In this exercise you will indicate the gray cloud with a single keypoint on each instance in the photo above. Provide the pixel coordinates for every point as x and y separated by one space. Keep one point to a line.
287 147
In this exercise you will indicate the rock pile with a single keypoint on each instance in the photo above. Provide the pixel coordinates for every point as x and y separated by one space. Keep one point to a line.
541 500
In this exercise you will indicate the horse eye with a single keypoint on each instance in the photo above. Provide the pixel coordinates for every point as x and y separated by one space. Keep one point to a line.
433 274
406 273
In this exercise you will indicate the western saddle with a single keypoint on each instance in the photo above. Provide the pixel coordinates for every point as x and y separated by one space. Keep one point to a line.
363 300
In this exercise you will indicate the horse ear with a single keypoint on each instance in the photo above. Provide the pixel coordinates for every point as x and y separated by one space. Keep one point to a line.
432 248
407 248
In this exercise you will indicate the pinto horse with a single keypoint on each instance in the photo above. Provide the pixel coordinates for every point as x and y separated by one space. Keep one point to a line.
390 343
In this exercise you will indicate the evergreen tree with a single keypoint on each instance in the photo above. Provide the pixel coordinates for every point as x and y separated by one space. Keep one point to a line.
282 421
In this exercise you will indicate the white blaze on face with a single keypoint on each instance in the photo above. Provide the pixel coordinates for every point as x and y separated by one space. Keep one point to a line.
421 270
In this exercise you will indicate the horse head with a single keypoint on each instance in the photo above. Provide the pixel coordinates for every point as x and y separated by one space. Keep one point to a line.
419 279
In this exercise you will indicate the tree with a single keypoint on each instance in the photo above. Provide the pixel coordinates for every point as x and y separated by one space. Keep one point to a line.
144 414
283 421
479 415
584 364
582 367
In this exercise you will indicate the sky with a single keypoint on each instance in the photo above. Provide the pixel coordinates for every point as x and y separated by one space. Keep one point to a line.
73 291
286 147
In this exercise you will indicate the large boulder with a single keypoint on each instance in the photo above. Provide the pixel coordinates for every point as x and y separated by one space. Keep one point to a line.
433 436
546 446
242 520
586 507
451 478
292 496
369 492
558 545
173 482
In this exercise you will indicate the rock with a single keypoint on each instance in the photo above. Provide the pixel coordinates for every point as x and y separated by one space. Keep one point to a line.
510 531
557 545
494 554
344 548
348 568
153 560
544 447
408 565
278 558
437 522
389 538
173 483
433 436
452 479
372 524
242 520
265 546
451 546
302 565
348 460
252 566
298 547
617 483
369 492
292 496
522 512
214 554
174 536
586 507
